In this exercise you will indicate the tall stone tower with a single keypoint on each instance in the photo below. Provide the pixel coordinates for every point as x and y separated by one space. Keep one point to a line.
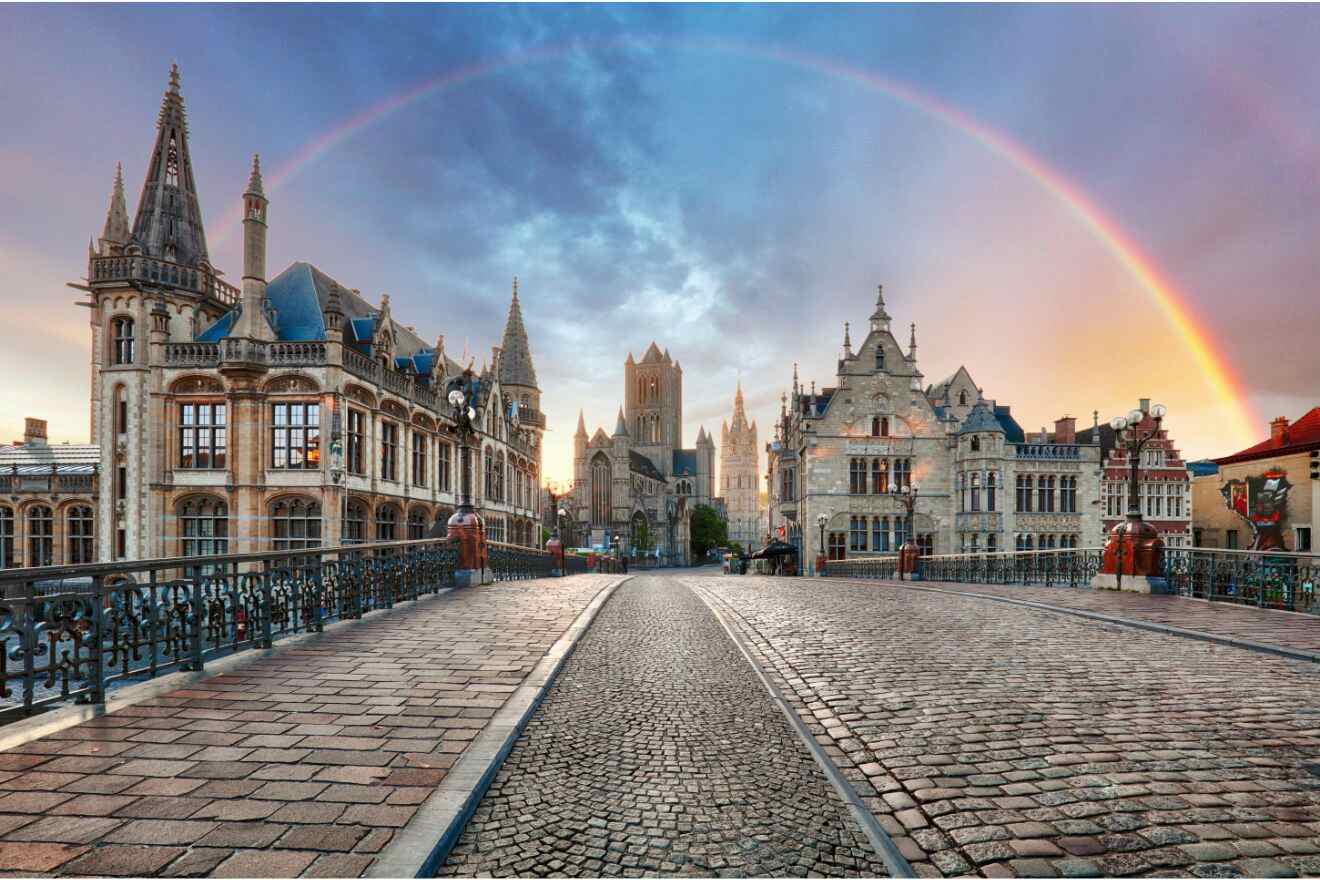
653 406
740 476
517 373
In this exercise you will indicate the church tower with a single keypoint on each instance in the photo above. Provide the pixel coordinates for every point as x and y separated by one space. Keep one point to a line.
653 406
740 476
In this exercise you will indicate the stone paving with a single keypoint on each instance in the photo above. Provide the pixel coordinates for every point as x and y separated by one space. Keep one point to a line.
1299 632
1000 740
658 750
303 762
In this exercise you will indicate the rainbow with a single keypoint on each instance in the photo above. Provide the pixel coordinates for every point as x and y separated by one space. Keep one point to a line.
1174 305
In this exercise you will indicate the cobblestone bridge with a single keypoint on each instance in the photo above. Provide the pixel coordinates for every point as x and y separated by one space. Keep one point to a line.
697 724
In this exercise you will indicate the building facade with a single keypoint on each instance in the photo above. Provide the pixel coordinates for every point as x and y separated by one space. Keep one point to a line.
848 453
1265 497
639 484
285 413
1163 482
740 478
48 498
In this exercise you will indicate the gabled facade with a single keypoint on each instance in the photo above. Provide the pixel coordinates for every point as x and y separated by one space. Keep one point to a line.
285 413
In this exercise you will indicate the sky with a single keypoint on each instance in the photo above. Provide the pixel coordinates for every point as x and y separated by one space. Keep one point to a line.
1085 205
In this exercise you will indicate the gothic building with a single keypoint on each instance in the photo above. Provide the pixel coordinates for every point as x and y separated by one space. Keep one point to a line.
284 413
843 457
639 484
740 478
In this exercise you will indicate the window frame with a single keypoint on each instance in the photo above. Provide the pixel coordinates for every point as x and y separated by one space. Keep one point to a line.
307 432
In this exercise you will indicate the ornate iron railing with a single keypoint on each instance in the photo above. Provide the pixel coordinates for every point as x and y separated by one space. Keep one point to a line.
863 567
1286 581
71 632
1051 568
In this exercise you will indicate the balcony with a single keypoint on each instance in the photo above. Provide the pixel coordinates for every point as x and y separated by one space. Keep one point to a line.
192 354
107 270
1049 452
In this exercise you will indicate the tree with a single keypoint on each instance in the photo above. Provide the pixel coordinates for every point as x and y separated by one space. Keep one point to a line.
707 531
735 548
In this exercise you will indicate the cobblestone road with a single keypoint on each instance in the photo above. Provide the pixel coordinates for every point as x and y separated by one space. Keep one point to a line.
304 762
658 750
1001 740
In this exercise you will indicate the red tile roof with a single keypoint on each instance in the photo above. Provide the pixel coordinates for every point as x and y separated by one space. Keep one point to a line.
1302 435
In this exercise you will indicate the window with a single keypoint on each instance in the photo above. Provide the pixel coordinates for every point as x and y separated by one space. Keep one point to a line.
1231 539
926 544
879 426
902 531
879 357
976 444
79 523
357 442
121 330
416 525
990 544
1023 494
991 484
857 533
880 534
857 476
1115 498
296 524
387 523
975 544
202 436
295 436
355 523
837 545
1175 491
879 476
1067 494
389 451
499 477
902 473
488 470
203 527
962 493
121 409
600 491
418 458
962 398
1303 542
41 536
121 482
976 492
1045 495
443 466
6 537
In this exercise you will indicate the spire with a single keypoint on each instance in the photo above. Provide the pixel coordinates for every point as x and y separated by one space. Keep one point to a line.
880 318
582 425
254 179
796 387
253 321
516 361
116 231
621 427
739 412
847 342
168 224
912 343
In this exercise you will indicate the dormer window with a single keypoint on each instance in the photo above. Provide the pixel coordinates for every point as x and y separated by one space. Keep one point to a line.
879 357
976 444
962 398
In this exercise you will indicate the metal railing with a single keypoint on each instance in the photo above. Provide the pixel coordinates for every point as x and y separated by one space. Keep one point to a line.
1050 568
71 632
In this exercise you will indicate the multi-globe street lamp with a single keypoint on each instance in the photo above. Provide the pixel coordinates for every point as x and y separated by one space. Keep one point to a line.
821 520
1127 434
1134 547
907 496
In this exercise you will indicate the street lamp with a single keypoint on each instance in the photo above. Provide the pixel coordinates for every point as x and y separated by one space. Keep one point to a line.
907 496
465 525
821 520
1137 540
1127 434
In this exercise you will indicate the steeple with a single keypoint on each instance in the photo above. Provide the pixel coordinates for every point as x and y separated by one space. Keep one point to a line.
116 232
582 426
880 318
912 344
252 320
516 361
168 224
620 427
739 411
847 342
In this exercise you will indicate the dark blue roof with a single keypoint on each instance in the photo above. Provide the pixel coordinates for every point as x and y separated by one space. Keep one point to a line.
685 462
1013 432
424 362
292 294
979 420
1203 468
363 329
643 465
220 329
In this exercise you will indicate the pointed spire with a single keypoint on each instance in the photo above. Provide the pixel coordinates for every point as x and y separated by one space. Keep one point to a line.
254 318
621 426
168 224
739 411
880 318
847 342
912 343
582 425
516 368
254 179
796 387
116 231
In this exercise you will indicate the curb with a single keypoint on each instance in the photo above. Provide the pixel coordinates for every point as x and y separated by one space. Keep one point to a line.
1198 635
423 845
880 840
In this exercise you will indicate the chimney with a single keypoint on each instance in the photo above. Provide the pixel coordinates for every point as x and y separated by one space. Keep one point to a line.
1145 404
34 432
1065 430
1278 430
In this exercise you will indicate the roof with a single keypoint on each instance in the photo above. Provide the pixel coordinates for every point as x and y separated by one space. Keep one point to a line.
640 464
1013 432
981 419
1302 435
515 354
1105 439
1203 468
685 462
66 458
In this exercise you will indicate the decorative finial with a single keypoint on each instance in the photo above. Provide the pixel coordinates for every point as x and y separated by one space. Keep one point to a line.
254 179
879 296
912 342
174 78
515 286
847 343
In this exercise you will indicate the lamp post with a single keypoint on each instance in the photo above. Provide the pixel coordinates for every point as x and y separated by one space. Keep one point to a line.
1134 547
821 520
907 496
1127 432
465 525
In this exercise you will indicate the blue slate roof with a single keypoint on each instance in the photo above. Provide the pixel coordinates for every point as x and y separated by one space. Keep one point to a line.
220 329
1013 432
294 297
981 420
685 462
362 329
1203 468
643 465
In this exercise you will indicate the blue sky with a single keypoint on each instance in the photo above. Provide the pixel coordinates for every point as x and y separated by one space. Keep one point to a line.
653 172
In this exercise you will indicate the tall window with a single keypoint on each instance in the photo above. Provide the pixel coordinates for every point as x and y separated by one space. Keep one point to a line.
296 436
389 451
443 466
1067 495
837 545
857 533
1045 495
991 484
6 537
296 524
880 534
387 522
962 493
902 473
1027 542
79 523
976 492
202 435
976 444
418 458
416 525
879 476
600 491
857 476
121 330
1023 494
499 477
902 530
41 536
121 409
203 527
1175 492
879 426
990 544
356 458
488 472
879 357
355 522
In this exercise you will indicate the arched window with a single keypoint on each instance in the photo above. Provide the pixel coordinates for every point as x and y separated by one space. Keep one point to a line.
879 357
79 534
203 527
355 522
600 491
489 480
296 524
121 331
976 444
991 485
387 522
416 524
962 398
41 536
499 476
6 537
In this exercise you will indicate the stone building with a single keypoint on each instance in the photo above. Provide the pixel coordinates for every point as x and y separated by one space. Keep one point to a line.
639 484
1265 497
848 451
740 478
285 413
48 497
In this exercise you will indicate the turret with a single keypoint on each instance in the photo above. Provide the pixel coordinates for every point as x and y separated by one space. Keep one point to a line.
880 318
516 371
847 342
115 234
252 321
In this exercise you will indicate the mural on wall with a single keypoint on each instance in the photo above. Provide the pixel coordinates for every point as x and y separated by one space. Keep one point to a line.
1262 501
